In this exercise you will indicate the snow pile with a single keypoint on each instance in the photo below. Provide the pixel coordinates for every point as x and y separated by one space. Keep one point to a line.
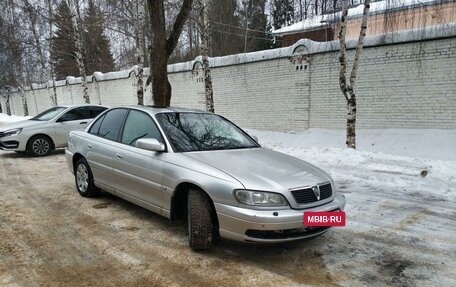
417 143
11 119
415 163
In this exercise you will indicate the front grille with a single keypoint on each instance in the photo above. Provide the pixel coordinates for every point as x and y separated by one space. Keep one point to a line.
306 195
2 134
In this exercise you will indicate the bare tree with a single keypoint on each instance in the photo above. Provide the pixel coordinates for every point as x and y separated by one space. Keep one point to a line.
139 11
76 21
51 66
348 88
162 48
204 54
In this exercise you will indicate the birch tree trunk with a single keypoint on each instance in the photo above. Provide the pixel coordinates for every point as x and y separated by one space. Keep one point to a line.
32 17
348 88
139 11
54 90
24 100
76 21
204 32
7 102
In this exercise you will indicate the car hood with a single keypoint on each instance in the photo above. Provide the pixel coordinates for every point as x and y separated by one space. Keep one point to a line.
263 169
20 124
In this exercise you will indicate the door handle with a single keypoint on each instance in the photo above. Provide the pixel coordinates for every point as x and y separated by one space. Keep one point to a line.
119 156
89 146
82 123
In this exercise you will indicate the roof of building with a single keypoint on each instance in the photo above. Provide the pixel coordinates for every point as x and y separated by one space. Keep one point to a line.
375 8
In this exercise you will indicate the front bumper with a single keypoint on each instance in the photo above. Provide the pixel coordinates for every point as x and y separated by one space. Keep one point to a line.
270 226
13 143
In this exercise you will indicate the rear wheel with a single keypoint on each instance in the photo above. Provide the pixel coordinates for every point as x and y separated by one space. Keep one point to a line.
84 179
201 223
39 146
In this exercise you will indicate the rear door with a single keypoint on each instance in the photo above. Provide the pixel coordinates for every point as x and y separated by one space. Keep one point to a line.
103 146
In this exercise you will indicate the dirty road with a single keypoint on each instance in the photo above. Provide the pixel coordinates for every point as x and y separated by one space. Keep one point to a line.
50 236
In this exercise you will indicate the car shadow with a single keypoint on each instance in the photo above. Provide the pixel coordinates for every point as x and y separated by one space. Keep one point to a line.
249 251
12 154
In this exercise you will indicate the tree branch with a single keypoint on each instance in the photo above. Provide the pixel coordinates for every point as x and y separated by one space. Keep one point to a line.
359 47
173 38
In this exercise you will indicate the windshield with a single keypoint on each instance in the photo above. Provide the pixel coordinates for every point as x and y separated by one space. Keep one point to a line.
48 114
200 132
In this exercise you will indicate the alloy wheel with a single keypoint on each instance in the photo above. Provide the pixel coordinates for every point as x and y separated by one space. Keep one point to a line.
82 178
41 146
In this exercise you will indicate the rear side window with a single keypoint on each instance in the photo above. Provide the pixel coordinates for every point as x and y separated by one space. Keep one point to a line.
139 125
112 123
96 126
95 111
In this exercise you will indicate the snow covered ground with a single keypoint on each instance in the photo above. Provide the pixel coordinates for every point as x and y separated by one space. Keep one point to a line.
400 187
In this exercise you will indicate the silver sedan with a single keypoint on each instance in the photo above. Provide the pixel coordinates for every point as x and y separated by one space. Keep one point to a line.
179 162
48 130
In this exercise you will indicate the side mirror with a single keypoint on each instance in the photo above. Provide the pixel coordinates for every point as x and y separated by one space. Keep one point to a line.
150 144
255 138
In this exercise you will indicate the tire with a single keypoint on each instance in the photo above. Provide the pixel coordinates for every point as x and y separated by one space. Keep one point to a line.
39 146
200 221
84 179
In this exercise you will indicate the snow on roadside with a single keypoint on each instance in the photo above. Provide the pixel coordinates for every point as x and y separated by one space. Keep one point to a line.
11 119
374 164
436 144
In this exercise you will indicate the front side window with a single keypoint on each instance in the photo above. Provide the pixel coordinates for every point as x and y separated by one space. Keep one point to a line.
137 126
201 132
112 123
48 114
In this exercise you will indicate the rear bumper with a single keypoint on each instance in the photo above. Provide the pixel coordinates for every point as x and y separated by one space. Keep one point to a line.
69 160
270 226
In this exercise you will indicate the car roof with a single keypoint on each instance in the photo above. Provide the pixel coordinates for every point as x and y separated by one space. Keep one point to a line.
156 110
80 105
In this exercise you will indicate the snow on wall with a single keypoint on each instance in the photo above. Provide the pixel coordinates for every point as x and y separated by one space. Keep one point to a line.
375 7
403 82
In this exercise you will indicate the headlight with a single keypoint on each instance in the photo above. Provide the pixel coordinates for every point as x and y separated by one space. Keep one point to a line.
12 132
260 198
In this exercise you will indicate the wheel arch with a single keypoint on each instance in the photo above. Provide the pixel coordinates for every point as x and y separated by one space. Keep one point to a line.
179 200
75 159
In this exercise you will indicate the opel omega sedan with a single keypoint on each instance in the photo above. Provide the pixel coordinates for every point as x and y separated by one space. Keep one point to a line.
47 131
199 165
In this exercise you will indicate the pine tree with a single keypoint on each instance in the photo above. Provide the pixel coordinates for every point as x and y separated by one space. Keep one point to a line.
257 26
283 13
226 31
98 55
63 47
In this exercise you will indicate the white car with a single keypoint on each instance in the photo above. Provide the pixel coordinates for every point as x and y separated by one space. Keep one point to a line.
47 131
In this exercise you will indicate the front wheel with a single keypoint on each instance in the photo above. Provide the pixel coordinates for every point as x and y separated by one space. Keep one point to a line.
84 179
39 146
200 221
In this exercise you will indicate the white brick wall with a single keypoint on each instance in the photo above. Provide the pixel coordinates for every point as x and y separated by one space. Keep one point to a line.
399 85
